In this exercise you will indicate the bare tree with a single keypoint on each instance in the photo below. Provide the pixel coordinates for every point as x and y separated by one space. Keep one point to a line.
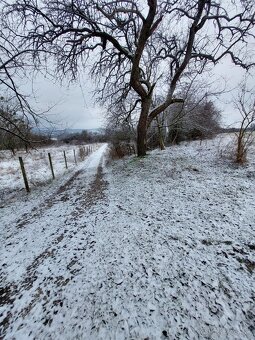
136 49
14 129
16 112
12 63
199 118
196 117
245 104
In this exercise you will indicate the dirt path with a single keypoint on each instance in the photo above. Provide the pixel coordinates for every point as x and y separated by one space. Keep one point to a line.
55 229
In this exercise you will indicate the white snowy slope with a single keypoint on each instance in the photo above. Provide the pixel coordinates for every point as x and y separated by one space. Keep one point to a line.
156 248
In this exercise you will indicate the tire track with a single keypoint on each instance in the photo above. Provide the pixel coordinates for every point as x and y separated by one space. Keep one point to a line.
84 201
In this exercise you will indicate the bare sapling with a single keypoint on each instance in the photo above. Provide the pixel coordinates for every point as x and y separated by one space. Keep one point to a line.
245 105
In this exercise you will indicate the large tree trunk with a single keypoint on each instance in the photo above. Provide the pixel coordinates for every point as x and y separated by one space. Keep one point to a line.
142 128
141 137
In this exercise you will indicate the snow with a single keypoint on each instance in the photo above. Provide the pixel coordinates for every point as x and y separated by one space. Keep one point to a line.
153 248
95 160
37 166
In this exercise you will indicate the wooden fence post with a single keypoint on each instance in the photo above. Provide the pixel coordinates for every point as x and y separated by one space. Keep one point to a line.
24 174
74 156
65 158
51 166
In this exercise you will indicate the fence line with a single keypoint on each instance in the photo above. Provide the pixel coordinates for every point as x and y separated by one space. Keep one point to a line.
51 166
24 174
65 159
84 151
75 161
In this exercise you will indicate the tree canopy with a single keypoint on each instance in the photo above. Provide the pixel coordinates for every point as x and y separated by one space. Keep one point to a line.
134 49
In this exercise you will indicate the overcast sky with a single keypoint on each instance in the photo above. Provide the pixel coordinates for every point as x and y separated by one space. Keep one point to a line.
233 76
73 106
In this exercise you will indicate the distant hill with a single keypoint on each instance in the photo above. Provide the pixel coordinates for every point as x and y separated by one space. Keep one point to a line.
57 133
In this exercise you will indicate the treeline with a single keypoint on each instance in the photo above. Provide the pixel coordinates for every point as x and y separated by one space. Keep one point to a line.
14 143
16 130
195 119
84 136
190 121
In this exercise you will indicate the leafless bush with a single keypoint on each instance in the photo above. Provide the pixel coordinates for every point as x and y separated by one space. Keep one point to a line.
225 149
244 140
245 104
236 150
119 150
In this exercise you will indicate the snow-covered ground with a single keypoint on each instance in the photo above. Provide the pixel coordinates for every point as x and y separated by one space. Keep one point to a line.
161 247
37 166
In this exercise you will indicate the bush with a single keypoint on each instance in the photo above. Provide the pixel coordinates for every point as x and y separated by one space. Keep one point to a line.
119 150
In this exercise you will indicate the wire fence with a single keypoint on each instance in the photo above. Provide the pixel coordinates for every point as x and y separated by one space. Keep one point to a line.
26 170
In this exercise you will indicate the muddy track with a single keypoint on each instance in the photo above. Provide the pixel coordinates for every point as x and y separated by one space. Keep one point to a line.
85 199
57 196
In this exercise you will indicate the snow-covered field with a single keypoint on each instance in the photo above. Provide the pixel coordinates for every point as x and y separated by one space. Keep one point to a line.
37 166
161 247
